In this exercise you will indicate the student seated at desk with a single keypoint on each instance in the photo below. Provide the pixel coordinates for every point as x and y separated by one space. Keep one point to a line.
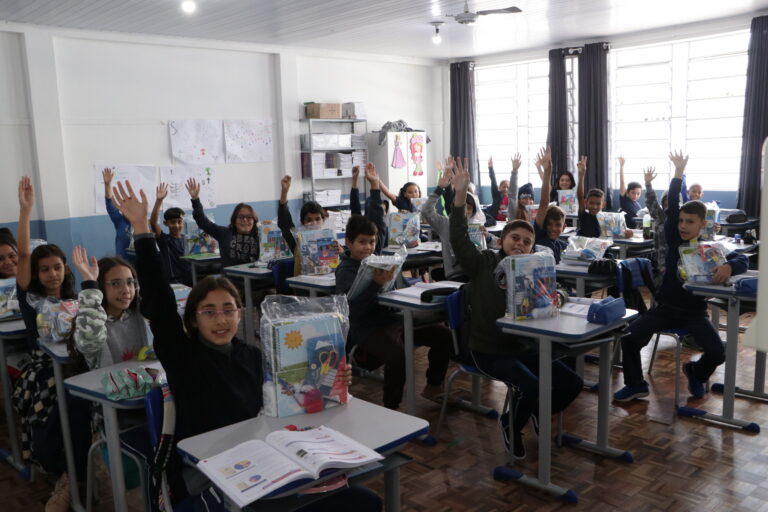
311 215
550 219
239 241
173 245
216 379
675 306
502 356
376 330
628 196
590 206
9 254
108 327
41 274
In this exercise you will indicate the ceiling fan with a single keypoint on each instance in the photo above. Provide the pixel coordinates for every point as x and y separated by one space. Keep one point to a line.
467 17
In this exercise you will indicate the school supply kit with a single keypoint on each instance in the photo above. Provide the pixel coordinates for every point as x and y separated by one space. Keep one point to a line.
531 285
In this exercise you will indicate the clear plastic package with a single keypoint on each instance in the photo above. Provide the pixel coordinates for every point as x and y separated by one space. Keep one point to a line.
612 224
712 218
54 316
318 248
531 285
9 305
567 201
272 246
586 249
404 228
698 262
304 350
382 262
477 236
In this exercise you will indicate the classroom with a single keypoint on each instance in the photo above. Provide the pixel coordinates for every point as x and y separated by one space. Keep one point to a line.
474 127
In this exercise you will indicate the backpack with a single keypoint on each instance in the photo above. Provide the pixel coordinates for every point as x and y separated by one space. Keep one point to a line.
631 274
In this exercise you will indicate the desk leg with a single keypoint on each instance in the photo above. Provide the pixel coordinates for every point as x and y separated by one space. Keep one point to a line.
61 397
116 472
410 380
545 410
581 288
729 388
13 458
194 273
760 372
392 490
248 312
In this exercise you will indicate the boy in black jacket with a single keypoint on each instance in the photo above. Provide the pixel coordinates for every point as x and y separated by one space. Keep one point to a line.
677 307
376 330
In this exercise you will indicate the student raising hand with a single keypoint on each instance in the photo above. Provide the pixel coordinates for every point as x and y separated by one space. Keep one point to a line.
460 181
582 166
371 175
445 177
285 186
680 162
193 187
517 161
133 207
26 195
89 271
107 175
161 191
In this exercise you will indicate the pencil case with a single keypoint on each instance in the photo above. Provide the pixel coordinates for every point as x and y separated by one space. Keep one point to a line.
607 310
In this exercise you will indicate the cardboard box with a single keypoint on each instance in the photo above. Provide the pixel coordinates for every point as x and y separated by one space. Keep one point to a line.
323 110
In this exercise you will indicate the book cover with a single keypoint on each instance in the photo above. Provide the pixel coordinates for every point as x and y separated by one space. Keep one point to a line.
698 262
272 246
9 306
302 366
477 236
319 250
567 201
531 285
712 218
404 229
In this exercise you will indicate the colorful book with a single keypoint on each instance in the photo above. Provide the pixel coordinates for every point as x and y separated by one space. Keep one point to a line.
404 229
9 305
256 468
477 236
272 246
712 218
698 261
319 250
531 285
567 201
302 363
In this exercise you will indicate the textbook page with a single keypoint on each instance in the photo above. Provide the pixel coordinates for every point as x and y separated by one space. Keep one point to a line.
251 470
321 448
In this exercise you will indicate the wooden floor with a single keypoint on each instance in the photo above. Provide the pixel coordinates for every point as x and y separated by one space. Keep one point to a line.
686 466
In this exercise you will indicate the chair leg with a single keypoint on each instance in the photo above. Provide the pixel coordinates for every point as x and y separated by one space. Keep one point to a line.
653 354
90 480
444 407
678 368
509 403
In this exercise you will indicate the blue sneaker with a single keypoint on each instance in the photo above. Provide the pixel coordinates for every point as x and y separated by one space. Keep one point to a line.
628 393
695 386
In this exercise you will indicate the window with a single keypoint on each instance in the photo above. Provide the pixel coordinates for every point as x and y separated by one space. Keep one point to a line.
512 103
685 95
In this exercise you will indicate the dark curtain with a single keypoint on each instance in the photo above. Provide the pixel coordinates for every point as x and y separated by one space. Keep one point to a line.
755 118
557 133
593 116
463 118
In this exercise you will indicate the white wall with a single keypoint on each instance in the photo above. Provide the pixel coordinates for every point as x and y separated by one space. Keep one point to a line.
72 99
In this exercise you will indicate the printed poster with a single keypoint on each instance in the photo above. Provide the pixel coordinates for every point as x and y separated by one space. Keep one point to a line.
141 177
248 140
197 141
176 177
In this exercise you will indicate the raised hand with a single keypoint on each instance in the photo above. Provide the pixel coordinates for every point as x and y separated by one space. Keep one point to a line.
355 172
193 187
285 183
370 173
107 175
649 173
621 162
161 191
517 161
89 271
680 162
461 176
131 206
26 194
490 162
445 177
582 166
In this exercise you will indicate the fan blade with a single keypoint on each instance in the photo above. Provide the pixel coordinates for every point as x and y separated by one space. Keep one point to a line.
508 10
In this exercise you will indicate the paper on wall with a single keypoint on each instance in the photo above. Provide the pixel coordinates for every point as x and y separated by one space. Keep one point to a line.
197 141
141 177
176 177
248 140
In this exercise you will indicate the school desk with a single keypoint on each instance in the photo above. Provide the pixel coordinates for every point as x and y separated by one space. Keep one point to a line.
576 333
203 259
11 331
426 254
580 275
728 228
376 427
325 284
250 272
729 293
89 387
634 245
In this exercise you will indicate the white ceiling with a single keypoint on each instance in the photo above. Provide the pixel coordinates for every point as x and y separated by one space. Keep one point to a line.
393 27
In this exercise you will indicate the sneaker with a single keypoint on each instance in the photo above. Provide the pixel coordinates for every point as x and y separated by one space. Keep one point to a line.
519 449
695 386
432 392
61 497
628 393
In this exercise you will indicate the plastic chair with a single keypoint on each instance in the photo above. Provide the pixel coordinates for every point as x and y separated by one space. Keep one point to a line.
454 305
677 335
282 270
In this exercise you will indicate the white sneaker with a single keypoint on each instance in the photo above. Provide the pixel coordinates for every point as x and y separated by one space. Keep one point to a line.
61 497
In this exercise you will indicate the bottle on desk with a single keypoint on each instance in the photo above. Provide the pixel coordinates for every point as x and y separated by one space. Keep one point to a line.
647 232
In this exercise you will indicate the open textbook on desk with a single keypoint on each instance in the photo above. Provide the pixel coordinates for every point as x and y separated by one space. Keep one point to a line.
256 468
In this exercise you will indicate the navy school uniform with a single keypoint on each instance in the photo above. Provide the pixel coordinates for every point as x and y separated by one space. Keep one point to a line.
542 238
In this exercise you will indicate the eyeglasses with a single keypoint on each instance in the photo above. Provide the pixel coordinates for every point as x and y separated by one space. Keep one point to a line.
245 217
213 313
119 283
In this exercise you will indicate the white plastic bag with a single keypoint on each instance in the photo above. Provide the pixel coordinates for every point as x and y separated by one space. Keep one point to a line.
584 248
